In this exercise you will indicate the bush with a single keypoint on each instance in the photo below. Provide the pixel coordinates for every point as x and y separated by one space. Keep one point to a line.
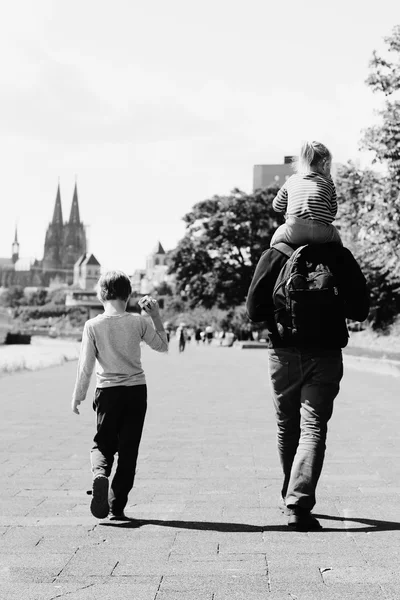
26 313
57 296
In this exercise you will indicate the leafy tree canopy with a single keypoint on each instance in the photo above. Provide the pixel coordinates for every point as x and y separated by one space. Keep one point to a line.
225 237
383 139
368 227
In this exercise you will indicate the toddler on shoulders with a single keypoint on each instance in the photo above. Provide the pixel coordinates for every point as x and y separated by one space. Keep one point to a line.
309 200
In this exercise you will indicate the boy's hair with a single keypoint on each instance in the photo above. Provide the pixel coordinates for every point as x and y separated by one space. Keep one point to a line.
312 154
114 285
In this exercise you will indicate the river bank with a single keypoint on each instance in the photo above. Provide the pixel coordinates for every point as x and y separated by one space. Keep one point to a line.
42 352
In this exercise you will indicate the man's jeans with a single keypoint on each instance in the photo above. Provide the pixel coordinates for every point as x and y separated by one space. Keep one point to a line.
304 385
120 417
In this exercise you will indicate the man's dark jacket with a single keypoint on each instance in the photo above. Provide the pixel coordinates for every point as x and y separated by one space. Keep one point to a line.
351 283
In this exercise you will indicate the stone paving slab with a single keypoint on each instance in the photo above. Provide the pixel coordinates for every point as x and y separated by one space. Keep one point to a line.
207 525
95 590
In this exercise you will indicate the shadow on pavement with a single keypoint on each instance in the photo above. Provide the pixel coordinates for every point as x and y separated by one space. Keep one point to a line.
370 525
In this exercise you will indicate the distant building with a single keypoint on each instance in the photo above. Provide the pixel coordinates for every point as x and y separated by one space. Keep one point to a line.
272 175
145 281
82 293
64 243
265 176
18 270
86 272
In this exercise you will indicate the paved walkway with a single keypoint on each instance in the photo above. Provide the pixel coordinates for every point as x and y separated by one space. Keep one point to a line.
205 500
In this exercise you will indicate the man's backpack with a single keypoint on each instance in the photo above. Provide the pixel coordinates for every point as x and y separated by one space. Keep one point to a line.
308 304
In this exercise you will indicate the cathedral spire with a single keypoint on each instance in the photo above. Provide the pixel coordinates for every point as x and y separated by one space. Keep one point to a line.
57 215
15 247
74 215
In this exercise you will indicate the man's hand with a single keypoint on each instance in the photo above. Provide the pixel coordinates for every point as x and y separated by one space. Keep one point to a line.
74 406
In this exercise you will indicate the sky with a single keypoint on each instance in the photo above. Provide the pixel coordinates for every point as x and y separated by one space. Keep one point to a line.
154 106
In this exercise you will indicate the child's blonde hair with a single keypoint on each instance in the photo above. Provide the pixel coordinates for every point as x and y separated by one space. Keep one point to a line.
312 155
114 285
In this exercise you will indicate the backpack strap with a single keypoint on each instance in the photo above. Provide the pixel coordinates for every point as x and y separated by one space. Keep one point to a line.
284 249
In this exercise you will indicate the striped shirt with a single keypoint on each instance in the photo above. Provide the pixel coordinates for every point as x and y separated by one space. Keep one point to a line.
308 196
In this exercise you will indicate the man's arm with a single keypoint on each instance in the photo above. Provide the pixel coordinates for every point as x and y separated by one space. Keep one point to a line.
353 286
87 359
259 304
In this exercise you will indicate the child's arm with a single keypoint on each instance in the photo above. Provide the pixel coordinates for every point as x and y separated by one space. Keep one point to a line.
87 359
279 203
156 338
333 200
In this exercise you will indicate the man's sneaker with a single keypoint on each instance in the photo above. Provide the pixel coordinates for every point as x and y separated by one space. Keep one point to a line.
283 508
118 517
301 519
99 504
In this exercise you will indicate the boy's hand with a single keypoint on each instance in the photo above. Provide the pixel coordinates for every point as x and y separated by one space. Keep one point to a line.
74 406
149 305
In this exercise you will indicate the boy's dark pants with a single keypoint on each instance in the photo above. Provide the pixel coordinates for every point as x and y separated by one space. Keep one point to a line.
120 417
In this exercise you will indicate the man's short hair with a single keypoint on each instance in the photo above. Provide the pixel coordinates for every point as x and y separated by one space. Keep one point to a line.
114 285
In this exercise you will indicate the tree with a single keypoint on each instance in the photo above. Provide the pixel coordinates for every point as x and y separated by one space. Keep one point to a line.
14 297
38 297
369 216
361 218
225 237
164 289
381 233
358 191
384 139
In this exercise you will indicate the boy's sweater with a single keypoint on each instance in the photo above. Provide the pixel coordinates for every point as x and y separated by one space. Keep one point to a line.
113 344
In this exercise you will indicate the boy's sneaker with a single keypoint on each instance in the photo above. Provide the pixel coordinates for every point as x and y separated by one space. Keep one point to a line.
301 519
99 504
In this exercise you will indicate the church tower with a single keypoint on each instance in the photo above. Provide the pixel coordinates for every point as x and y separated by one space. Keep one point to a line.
74 238
54 239
156 268
157 258
15 248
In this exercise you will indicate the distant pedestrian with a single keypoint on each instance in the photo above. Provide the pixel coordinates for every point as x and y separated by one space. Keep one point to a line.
306 333
309 200
209 331
181 335
111 341
167 328
197 335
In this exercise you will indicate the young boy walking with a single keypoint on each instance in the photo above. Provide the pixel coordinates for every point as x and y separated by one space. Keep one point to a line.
112 342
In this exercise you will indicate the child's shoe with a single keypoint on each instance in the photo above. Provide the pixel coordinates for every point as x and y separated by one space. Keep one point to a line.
99 504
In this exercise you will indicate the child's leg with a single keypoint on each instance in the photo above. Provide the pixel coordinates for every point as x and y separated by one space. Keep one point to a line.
295 231
129 436
323 234
107 405
280 235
